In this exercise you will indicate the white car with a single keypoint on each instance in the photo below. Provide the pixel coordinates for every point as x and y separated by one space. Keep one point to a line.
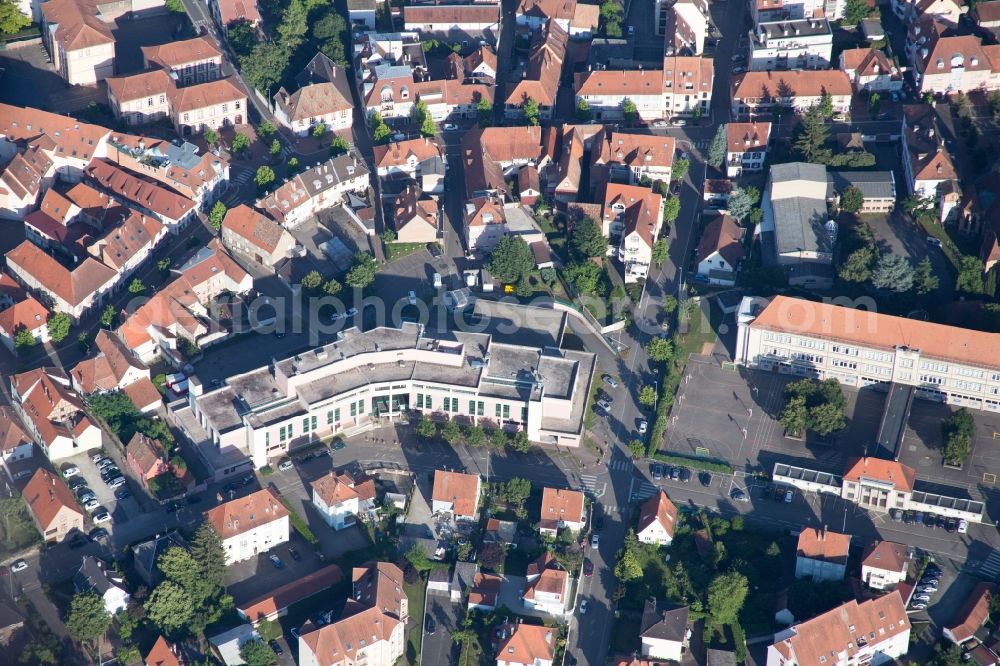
450 127
70 470
102 517
91 504
963 526
97 457
604 404
19 565
583 607
285 466
642 427
595 540
412 296
678 122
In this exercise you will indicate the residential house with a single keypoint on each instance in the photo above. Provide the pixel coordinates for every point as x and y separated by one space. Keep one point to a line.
214 104
485 223
973 614
146 555
80 44
949 65
720 251
687 85
52 506
15 444
987 14
416 216
246 231
141 98
485 592
490 155
362 635
500 531
871 71
633 215
756 94
228 12
170 209
794 226
821 554
323 98
885 564
394 90
685 26
250 525
585 22
456 493
772 10
607 91
125 246
163 653
526 645
664 630
146 458
69 143
926 161
565 186
181 310
94 576
454 21
53 413
113 367
380 585
323 186
548 586
25 315
946 11
26 177
561 509
529 185
791 44
542 74
10 291
340 499
419 159
188 61
746 147
630 158
536 14
481 64
73 291
874 632
657 520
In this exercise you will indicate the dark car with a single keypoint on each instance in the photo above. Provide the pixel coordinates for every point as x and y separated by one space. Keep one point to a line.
430 625
685 474
98 533
294 553
598 518
76 482
79 541
247 480
705 478
434 249
588 568
675 474
109 473
339 445
275 646
657 471
122 493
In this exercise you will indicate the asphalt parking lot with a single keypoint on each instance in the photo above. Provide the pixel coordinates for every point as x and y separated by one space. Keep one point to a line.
438 646
257 576
121 510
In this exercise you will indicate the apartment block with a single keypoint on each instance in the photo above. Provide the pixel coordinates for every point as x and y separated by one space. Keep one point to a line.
791 44
746 147
250 525
756 94
81 45
188 61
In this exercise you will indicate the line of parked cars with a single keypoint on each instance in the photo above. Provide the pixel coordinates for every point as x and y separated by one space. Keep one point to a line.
110 475
926 588
930 520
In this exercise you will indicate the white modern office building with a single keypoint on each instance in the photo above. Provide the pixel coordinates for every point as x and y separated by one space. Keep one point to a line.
792 44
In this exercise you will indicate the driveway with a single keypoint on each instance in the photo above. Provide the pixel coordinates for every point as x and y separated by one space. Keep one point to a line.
257 576
121 510
437 646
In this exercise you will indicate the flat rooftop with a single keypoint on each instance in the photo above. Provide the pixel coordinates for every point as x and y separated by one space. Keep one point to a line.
893 425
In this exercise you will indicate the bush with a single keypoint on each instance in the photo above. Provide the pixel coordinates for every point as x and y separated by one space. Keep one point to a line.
300 525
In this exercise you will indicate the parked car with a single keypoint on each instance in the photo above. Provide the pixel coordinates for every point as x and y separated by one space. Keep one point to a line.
610 381
660 124
294 553
70 470
339 445
275 646
588 568
931 240
285 466
76 482
657 471
788 496
685 475
675 474
963 526
434 249
450 127
604 404
19 565
927 589
91 504
739 495
921 597
109 472
642 426
122 493
739 69
97 457
429 625
595 540
276 561
104 463
98 533
102 517
598 518
705 478
917 606
583 607
116 482
86 497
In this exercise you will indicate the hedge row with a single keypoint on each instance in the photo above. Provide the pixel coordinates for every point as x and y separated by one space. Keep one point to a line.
668 390
707 464
300 525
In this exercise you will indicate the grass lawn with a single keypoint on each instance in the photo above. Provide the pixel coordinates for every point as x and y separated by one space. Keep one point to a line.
394 251
17 531
415 594
953 244
700 331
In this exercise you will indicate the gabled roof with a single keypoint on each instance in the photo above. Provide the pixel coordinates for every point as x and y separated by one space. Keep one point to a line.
398 152
411 204
27 314
380 585
619 83
335 488
79 23
276 600
73 286
964 52
664 622
724 236
243 514
658 509
174 55
886 555
340 641
545 62
868 62
231 11
545 574
550 9
311 101
153 83
47 495
482 211
146 452
743 137
561 504
249 224
973 614
928 155
823 545
135 190
458 489
64 136
106 369
642 209
527 643
12 435
773 85
162 654
203 95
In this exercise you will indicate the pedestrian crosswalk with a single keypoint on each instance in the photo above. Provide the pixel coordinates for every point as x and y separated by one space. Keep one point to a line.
620 464
590 486
702 145
991 565
644 491
238 176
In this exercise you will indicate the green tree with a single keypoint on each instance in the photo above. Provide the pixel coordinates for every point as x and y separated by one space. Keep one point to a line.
519 442
263 66
794 417
207 550
58 326
924 279
858 265
474 435
163 265
380 131
275 148
169 607
88 619
266 128
515 492
583 112
531 111
484 112
498 439
362 272
660 250
916 206
388 236
136 287
12 19
269 630
241 142
210 136
826 104
852 199
628 567
717 149
339 146
312 281
427 429
178 566
726 594
256 653
318 130
293 164
294 25
660 350
217 215
826 419
970 276
812 137
950 655
242 37
451 432
332 287
584 276
629 111
959 433
511 259
855 11
109 317
680 169
523 288
739 205
637 448
264 176
671 209
587 239
892 273
647 396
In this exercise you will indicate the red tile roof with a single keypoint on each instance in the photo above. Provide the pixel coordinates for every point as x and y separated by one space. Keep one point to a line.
528 643
47 495
724 236
658 509
280 598
27 314
823 545
886 555
254 227
78 22
174 55
460 490
162 654
973 614
560 504
72 286
243 514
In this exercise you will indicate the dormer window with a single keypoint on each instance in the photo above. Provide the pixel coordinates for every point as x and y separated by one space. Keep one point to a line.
940 63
